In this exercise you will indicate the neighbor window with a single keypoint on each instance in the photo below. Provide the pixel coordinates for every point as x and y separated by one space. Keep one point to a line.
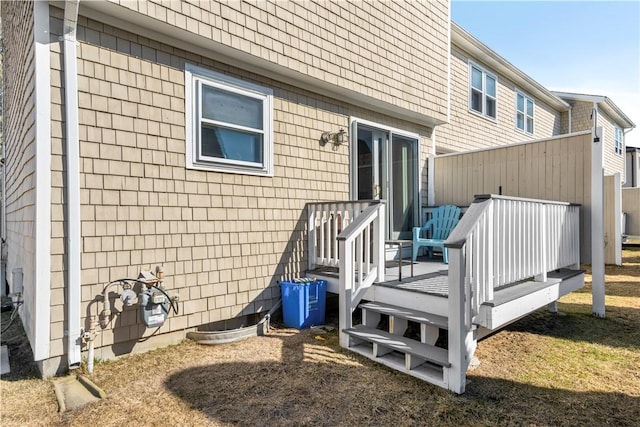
482 92
230 122
618 138
524 113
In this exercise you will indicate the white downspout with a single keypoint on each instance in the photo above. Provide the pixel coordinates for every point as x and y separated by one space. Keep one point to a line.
431 174
72 153
3 220
570 116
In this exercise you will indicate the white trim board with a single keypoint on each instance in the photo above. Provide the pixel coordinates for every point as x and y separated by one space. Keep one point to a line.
42 285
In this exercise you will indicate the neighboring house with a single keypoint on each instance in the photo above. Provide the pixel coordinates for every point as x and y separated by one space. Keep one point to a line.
631 193
238 144
632 167
492 102
588 111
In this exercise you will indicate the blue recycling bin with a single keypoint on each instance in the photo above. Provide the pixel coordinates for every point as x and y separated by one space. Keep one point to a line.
303 302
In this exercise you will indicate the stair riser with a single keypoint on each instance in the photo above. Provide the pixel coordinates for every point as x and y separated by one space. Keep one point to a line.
413 300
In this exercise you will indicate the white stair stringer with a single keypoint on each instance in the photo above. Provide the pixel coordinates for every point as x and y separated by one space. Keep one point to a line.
420 359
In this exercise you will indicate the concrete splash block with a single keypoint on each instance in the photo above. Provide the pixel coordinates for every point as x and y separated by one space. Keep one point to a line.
74 392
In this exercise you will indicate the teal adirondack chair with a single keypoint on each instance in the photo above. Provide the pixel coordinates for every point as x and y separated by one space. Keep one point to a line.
442 222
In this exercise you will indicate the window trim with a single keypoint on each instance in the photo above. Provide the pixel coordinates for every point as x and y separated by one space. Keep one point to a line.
195 77
618 144
524 113
484 94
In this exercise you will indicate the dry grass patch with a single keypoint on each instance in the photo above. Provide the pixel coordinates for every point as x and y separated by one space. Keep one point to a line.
543 370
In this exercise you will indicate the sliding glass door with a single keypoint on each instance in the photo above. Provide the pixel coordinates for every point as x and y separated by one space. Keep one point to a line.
385 166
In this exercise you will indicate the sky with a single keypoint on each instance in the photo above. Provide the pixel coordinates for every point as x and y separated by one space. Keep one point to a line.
589 47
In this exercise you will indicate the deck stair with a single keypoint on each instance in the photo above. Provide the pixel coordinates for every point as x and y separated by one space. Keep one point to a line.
508 257
389 346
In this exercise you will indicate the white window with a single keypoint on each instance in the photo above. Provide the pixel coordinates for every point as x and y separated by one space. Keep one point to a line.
482 92
524 113
229 123
618 139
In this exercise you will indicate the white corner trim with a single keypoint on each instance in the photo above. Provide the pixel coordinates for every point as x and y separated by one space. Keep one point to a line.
42 285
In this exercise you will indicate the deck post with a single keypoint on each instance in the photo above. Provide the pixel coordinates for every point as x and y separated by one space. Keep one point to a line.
458 333
378 243
346 281
311 236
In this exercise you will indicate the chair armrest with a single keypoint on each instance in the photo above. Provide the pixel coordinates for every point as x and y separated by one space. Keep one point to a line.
418 230
416 233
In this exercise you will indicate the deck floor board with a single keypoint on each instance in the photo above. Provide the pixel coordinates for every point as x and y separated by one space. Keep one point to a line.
431 277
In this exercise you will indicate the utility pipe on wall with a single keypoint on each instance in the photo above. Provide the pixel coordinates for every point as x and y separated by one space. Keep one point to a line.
72 152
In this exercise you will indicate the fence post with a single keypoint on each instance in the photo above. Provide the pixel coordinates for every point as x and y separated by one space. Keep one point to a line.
597 224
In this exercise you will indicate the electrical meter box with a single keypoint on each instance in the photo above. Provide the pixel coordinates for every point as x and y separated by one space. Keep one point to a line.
154 307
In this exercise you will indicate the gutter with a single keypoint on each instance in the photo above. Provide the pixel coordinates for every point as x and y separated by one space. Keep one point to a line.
72 152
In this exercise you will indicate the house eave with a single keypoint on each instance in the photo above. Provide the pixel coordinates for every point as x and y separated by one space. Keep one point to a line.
478 50
128 20
604 103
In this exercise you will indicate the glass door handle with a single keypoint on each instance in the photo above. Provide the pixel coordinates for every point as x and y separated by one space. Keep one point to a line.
377 191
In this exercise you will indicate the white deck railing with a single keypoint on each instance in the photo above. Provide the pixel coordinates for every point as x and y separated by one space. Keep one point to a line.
509 239
500 241
325 221
362 261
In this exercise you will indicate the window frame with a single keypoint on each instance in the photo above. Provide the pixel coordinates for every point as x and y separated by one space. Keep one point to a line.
618 140
195 78
525 114
483 92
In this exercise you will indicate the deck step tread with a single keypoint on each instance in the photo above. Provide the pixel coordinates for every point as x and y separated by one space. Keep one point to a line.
407 313
405 345
426 372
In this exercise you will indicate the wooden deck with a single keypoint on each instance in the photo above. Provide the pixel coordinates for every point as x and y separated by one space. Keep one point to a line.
430 277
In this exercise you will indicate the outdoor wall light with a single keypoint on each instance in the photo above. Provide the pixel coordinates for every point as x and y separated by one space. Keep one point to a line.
336 138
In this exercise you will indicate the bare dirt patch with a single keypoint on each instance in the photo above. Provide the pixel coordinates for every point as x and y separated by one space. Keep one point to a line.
543 370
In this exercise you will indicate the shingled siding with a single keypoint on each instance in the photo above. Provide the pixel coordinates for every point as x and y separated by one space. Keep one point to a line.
468 130
223 239
392 51
20 149
582 119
